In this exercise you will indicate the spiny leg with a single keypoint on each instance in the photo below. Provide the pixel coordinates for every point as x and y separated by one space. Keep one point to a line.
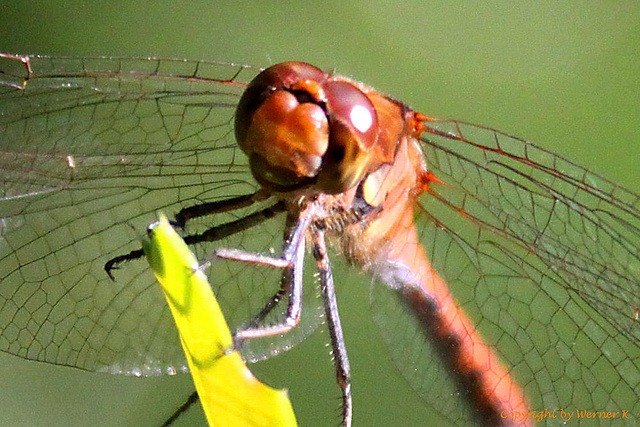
216 207
340 358
191 400
292 261
211 235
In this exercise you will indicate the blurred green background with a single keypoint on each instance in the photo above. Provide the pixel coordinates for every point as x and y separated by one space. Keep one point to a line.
564 75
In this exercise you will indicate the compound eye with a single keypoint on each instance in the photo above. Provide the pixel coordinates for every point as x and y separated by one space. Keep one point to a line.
277 77
349 106
353 124
282 127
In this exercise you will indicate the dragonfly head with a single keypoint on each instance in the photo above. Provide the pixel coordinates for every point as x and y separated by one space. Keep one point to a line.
301 126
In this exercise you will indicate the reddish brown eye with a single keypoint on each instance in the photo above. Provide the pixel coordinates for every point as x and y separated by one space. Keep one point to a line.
299 126
281 126
349 106
354 131
277 77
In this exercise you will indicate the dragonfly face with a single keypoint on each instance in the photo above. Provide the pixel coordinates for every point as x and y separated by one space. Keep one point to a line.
301 126
545 250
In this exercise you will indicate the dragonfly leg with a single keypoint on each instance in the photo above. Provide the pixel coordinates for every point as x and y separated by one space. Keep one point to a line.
211 235
230 228
290 284
341 360
218 206
292 261
191 400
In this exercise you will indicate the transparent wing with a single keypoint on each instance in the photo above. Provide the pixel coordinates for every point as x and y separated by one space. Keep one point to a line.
90 150
584 229
544 256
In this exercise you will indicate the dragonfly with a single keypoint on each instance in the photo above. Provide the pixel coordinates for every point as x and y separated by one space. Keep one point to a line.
261 167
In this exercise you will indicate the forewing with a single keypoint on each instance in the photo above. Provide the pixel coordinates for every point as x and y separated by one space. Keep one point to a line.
90 150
